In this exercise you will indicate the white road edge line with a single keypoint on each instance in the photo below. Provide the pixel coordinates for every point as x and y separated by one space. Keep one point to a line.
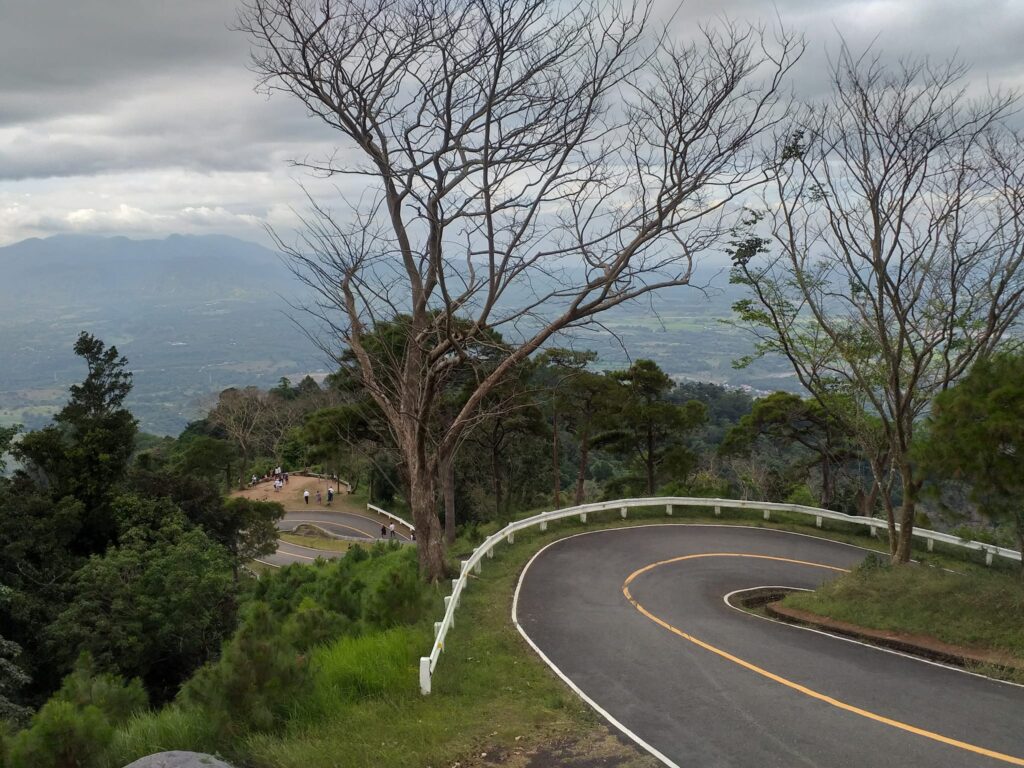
603 712
845 639
565 678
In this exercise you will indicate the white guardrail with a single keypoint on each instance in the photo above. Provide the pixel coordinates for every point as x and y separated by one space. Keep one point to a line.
387 514
486 549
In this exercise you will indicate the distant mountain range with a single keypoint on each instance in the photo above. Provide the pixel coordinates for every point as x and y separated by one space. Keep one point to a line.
197 314
72 270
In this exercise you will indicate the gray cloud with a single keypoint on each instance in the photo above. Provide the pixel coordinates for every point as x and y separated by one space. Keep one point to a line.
141 115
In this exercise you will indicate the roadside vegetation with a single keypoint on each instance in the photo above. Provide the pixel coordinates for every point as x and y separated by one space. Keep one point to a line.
980 610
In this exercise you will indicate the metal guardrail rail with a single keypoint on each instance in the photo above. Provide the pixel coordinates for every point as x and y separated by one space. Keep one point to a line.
486 548
396 518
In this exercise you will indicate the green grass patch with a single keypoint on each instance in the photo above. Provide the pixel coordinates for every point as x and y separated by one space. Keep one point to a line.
316 542
982 610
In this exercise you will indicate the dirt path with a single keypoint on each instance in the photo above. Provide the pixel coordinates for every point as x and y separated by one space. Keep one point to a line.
291 495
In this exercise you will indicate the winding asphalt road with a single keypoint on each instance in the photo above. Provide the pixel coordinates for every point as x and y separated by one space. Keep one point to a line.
348 524
703 684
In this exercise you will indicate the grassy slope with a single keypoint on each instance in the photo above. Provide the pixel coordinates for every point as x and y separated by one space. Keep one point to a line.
491 693
981 610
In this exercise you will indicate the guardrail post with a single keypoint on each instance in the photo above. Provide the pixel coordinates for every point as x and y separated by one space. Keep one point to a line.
543 526
874 532
448 602
424 675
437 627
931 545
767 514
624 511
718 510
478 567
510 538
668 510
490 552
817 521
455 583
988 556
583 517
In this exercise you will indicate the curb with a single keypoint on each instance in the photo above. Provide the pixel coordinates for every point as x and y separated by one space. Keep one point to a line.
928 648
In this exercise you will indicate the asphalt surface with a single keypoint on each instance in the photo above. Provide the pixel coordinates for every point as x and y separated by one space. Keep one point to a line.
348 524
688 694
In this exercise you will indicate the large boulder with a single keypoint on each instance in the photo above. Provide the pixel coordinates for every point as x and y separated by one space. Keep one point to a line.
178 760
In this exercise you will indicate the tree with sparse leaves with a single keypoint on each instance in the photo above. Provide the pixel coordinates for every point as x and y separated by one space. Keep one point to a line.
889 254
526 165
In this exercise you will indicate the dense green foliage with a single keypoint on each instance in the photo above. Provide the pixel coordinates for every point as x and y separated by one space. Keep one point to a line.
134 559
975 435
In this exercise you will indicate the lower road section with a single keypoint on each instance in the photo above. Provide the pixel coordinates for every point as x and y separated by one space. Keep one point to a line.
635 619
347 524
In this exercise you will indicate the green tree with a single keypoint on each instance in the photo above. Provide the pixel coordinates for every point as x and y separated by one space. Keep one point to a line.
652 429
75 726
86 452
155 606
12 678
207 457
37 560
788 419
7 435
975 435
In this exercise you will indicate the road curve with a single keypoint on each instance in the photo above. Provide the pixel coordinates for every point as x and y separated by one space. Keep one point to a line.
702 684
347 524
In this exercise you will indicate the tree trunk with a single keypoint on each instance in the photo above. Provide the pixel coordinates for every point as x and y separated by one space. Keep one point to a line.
423 503
556 470
496 478
448 490
650 460
581 476
827 490
1019 520
907 511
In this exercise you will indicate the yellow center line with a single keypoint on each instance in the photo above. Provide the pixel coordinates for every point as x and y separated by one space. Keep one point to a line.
789 683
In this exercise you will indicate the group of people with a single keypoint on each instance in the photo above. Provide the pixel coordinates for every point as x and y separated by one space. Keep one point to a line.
319 497
280 479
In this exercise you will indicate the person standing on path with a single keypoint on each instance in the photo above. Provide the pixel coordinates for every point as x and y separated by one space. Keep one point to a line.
391 530
305 496
319 497
330 495
383 531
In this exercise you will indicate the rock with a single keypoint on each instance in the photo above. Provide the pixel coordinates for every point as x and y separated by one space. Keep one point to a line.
178 760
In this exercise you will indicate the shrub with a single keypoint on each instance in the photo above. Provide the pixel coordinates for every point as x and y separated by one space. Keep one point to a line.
255 680
62 736
398 597
74 727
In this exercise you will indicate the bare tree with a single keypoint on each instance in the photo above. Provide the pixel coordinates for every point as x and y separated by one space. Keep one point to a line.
242 413
895 253
528 165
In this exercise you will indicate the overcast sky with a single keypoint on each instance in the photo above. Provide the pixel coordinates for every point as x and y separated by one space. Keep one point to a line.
138 117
